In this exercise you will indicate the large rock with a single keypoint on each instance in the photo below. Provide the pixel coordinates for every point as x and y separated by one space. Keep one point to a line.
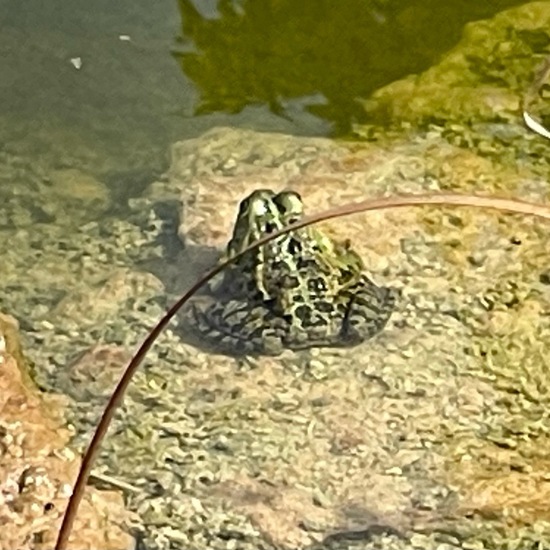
37 468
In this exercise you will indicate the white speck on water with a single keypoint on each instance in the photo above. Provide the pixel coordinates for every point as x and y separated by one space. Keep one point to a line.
76 62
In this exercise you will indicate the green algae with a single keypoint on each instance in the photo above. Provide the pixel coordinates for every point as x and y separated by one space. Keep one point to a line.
482 79
326 53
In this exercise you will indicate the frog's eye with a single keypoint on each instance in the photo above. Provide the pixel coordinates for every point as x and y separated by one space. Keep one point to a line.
257 203
262 209
259 208
290 204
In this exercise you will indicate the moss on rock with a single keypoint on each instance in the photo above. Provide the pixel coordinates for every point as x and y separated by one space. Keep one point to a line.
482 78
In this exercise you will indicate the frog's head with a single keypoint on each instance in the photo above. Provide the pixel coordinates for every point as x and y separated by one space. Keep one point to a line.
257 205
257 215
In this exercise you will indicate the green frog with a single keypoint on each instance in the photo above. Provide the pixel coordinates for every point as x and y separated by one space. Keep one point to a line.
300 290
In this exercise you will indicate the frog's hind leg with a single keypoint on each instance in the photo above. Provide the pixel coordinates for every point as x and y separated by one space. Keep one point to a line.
368 311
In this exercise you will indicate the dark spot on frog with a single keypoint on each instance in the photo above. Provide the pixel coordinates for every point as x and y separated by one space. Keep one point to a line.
316 285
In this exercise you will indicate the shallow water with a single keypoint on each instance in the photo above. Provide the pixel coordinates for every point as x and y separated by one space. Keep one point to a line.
146 73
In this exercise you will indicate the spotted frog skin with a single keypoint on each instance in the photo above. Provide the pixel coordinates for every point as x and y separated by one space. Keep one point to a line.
300 290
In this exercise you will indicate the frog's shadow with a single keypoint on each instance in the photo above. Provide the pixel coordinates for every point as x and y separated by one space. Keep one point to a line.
179 268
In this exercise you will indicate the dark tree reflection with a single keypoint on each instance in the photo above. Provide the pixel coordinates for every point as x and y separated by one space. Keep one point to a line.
329 52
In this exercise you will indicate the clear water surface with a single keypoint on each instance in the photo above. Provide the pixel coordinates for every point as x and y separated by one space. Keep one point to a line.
106 86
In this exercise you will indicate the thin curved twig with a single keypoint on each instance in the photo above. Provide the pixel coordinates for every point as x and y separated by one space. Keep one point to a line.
443 199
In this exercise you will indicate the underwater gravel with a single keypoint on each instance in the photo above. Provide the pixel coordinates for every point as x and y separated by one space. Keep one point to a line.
384 446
